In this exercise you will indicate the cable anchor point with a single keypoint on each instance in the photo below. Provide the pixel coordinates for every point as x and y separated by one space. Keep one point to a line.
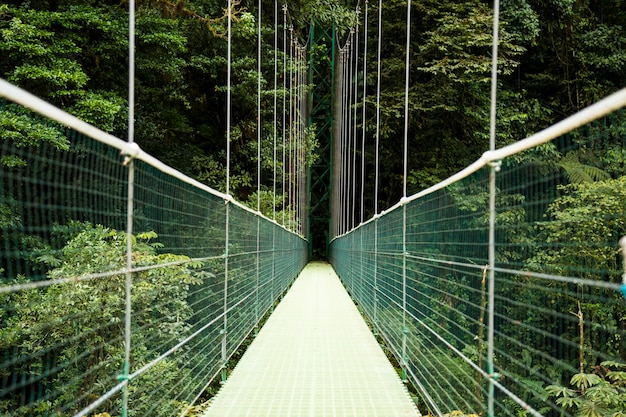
130 151
496 165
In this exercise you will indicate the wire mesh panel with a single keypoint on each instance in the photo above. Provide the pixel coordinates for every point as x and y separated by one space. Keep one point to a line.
552 342
445 257
560 322
63 276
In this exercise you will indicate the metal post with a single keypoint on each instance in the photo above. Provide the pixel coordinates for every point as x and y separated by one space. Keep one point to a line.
376 276
130 204
404 326
495 167
227 202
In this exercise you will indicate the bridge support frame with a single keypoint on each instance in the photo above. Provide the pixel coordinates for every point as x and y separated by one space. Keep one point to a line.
322 78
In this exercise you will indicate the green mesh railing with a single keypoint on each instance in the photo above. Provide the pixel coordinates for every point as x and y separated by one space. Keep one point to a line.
552 340
63 276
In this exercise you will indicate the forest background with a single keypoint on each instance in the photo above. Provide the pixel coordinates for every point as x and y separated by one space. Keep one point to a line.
556 57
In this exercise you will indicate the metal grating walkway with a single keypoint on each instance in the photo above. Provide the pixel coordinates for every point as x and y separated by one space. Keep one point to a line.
315 356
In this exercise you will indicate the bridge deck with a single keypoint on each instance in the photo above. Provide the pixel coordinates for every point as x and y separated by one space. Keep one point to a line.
314 357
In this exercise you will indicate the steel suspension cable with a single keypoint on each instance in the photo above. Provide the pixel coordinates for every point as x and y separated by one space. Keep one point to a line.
301 142
492 213
290 206
347 155
404 183
406 99
274 145
376 161
258 205
228 94
130 204
342 142
363 117
275 105
259 121
227 231
345 147
378 75
295 128
354 118
284 102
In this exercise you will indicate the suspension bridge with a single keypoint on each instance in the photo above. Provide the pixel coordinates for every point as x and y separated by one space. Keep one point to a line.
128 288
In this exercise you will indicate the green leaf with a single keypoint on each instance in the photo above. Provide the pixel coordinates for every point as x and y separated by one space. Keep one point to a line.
584 381
558 391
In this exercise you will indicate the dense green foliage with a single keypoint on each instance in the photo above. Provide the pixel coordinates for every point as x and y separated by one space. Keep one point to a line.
73 334
556 57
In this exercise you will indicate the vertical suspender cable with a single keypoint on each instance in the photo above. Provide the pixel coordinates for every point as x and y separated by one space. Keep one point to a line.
346 128
377 162
492 211
338 161
406 98
258 200
301 143
131 71
296 106
302 163
342 147
130 202
363 117
275 103
258 108
284 101
361 252
404 182
302 148
291 140
337 86
227 238
349 80
228 94
274 150
294 145
354 118
296 133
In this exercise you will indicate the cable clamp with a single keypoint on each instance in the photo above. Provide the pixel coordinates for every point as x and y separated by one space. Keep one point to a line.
130 151
496 165
495 376
124 376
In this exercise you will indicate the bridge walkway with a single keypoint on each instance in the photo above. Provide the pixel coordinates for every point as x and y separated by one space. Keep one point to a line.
315 356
